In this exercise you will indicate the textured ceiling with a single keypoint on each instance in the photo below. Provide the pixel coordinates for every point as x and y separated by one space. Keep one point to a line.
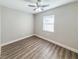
22 5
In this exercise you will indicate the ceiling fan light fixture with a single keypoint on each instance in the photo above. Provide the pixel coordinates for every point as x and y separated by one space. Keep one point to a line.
38 9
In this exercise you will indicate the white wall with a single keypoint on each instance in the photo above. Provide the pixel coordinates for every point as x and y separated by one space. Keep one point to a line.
65 25
15 25
0 30
0 24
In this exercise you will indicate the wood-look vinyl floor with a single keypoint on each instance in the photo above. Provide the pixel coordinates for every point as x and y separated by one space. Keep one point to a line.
35 48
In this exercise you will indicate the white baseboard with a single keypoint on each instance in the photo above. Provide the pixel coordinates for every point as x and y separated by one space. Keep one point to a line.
15 40
64 46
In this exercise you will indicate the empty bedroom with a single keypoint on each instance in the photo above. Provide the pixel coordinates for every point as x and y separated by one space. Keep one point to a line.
39 29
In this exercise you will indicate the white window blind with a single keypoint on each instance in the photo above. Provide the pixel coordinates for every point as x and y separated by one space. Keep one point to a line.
48 23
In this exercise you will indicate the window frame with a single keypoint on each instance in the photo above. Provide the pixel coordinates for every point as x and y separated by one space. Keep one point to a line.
50 17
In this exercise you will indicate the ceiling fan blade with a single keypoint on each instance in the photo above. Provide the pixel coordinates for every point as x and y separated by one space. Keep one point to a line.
34 9
31 5
44 5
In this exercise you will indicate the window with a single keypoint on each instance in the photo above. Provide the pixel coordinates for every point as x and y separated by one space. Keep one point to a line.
48 23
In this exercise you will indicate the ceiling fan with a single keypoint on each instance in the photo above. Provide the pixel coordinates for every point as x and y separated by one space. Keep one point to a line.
38 6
